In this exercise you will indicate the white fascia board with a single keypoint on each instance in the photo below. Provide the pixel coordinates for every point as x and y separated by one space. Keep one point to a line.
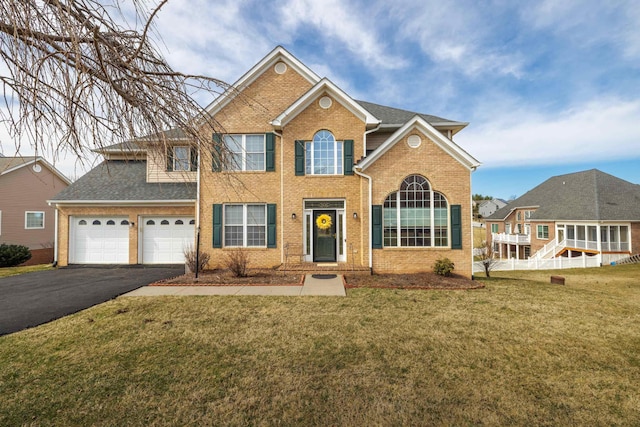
277 54
42 161
186 202
324 86
432 133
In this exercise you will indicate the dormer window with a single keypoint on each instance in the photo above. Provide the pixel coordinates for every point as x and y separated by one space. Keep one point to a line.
182 158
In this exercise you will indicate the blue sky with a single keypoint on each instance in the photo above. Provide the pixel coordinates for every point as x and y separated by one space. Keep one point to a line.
548 87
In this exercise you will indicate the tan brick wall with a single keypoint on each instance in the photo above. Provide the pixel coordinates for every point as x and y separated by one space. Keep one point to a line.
131 212
446 176
250 112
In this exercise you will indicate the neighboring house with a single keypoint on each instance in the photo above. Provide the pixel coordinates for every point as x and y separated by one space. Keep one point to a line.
306 170
25 217
587 212
488 207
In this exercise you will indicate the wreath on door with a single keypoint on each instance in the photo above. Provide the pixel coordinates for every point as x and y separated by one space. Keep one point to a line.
323 222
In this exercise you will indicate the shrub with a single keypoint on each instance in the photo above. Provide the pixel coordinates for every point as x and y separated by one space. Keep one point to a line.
237 262
443 267
12 255
190 259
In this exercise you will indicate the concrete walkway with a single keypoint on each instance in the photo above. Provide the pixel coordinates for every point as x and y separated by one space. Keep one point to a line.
312 286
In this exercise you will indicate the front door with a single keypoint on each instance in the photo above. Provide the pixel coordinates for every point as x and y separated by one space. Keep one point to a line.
324 236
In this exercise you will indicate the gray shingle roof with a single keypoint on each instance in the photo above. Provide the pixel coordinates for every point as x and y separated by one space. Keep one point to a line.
589 195
124 180
396 116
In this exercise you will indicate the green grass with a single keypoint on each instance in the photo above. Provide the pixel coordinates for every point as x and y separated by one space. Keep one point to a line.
519 352
14 271
479 236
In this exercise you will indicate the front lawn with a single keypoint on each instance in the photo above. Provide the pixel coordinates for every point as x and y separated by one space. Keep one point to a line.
14 271
520 351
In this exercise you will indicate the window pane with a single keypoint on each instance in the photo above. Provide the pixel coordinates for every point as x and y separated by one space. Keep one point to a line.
255 162
255 143
256 215
256 236
233 214
232 235
181 159
35 219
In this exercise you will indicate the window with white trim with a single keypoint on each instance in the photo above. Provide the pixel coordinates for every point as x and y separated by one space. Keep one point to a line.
181 158
543 232
494 228
245 225
323 154
415 216
247 152
33 220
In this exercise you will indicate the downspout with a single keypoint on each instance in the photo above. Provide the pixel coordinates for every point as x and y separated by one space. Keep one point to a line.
198 211
55 239
364 154
473 169
369 215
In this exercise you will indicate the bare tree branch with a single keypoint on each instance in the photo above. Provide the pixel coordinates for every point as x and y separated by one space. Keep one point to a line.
75 75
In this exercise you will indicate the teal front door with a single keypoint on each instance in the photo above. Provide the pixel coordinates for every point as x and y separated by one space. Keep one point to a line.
324 236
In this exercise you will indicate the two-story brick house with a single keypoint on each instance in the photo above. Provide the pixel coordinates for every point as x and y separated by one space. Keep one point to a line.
588 212
296 163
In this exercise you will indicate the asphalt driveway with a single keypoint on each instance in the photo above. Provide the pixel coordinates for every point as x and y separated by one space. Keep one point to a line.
35 298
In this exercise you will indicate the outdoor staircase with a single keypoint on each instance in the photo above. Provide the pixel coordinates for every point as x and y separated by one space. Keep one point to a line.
633 259
323 268
550 250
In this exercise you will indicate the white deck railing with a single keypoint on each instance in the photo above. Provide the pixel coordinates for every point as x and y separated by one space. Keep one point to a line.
514 239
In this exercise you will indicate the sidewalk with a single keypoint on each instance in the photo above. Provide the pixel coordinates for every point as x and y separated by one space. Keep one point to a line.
318 285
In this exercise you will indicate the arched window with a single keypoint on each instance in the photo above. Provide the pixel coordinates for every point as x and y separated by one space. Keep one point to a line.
151 222
323 154
415 215
124 222
111 222
82 222
164 222
96 222
179 222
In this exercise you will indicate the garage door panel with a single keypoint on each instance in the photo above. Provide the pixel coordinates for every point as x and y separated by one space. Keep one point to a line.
165 238
99 240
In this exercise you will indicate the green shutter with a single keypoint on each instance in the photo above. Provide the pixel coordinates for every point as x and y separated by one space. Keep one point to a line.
217 226
194 158
376 226
271 225
270 151
169 159
456 227
299 158
348 156
216 154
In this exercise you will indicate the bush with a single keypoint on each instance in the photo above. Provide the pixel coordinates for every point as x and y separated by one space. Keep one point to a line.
237 262
443 267
190 259
12 255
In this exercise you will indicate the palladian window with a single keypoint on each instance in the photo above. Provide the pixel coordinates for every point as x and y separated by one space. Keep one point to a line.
416 216
323 155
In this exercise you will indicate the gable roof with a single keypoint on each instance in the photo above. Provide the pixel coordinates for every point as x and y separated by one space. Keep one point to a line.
590 195
10 164
126 182
396 117
324 86
429 131
276 55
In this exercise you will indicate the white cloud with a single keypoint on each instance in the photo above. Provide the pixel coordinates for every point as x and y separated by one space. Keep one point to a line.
604 129
339 20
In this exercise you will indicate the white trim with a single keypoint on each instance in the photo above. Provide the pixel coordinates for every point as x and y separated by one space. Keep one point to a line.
430 132
38 160
276 55
26 222
322 88
245 224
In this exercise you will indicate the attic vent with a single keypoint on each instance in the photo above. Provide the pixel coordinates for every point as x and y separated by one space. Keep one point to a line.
280 68
325 102
37 168
414 141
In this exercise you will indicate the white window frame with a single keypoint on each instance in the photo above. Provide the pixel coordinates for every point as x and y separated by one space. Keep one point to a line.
507 228
26 220
245 225
309 156
243 164
539 235
496 227
178 162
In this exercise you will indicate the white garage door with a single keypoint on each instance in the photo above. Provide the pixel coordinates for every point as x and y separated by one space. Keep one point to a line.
165 238
99 240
